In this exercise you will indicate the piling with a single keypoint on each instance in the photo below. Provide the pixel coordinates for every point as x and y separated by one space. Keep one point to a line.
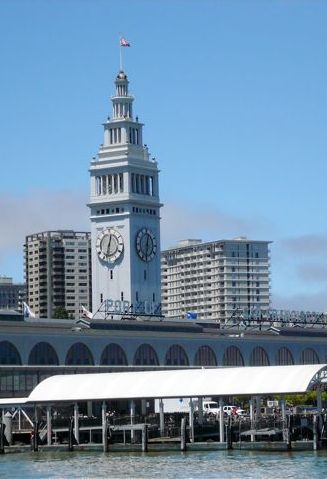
2 445
70 435
315 433
145 438
183 434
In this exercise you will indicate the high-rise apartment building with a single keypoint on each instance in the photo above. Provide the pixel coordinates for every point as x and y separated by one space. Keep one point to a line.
217 280
11 294
58 272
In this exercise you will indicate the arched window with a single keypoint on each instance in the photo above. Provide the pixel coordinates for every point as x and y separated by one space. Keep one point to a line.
79 354
176 356
145 355
259 357
205 357
43 353
309 356
284 357
113 355
9 354
233 357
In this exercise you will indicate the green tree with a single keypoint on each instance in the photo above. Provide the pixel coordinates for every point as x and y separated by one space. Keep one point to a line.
60 313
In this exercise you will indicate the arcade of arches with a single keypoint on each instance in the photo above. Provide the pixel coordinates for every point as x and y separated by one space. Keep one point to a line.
113 354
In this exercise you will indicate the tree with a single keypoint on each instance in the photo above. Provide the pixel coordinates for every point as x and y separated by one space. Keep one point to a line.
60 313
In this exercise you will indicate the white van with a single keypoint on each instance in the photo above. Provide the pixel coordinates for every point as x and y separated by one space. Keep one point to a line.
210 407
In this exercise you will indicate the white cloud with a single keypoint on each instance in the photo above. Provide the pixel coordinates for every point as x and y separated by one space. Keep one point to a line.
301 302
182 222
306 245
33 212
40 211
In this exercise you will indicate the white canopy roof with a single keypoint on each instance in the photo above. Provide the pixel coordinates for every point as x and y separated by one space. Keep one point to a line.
248 381
12 401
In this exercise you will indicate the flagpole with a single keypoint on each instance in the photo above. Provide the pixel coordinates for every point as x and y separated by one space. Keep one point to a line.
120 57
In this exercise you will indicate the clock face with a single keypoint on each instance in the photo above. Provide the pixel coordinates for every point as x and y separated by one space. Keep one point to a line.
146 244
109 245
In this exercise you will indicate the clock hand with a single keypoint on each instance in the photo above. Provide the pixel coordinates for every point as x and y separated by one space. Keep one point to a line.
147 246
108 248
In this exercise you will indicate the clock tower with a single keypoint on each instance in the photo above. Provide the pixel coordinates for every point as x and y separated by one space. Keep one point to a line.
125 213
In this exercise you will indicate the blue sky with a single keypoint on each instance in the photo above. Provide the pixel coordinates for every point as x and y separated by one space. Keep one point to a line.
233 96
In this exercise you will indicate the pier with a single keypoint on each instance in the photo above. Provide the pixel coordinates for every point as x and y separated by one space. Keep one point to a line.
79 411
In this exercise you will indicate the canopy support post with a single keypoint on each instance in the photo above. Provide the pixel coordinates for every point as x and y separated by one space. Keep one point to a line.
221 420
191 420
252 416
49 426
132 415
162 417
76 425
200 410
104 427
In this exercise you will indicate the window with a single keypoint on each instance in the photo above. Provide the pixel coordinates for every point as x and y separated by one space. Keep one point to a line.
115 183
145 355
205 357
111 274
113 354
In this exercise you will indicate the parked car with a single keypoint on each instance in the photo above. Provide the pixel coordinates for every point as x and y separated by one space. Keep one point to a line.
241 412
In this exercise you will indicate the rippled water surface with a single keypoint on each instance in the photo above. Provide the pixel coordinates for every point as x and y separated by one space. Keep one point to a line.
218 464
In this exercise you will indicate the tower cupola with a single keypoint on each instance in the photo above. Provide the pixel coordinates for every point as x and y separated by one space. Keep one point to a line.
122 101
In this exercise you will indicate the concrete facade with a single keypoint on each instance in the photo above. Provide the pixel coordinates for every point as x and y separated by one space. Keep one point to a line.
124 210
58 272
216 280
51 345
11 294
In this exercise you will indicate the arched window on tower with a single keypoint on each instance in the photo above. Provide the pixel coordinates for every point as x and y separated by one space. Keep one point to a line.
104 185
121 182
109 184
151 186
98 185
115 183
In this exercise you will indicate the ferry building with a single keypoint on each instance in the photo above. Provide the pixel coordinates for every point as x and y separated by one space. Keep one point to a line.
127 329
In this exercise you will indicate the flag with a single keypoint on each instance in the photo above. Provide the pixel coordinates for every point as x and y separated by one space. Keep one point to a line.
85 313
124 42
191 315
27 312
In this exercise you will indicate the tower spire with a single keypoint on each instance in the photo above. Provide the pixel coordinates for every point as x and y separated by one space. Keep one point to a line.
122 102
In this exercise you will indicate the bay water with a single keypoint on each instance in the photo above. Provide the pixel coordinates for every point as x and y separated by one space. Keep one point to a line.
165 465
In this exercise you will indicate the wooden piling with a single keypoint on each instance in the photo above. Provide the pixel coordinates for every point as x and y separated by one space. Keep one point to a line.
145 438
2 445
315 433
70 435
183 434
